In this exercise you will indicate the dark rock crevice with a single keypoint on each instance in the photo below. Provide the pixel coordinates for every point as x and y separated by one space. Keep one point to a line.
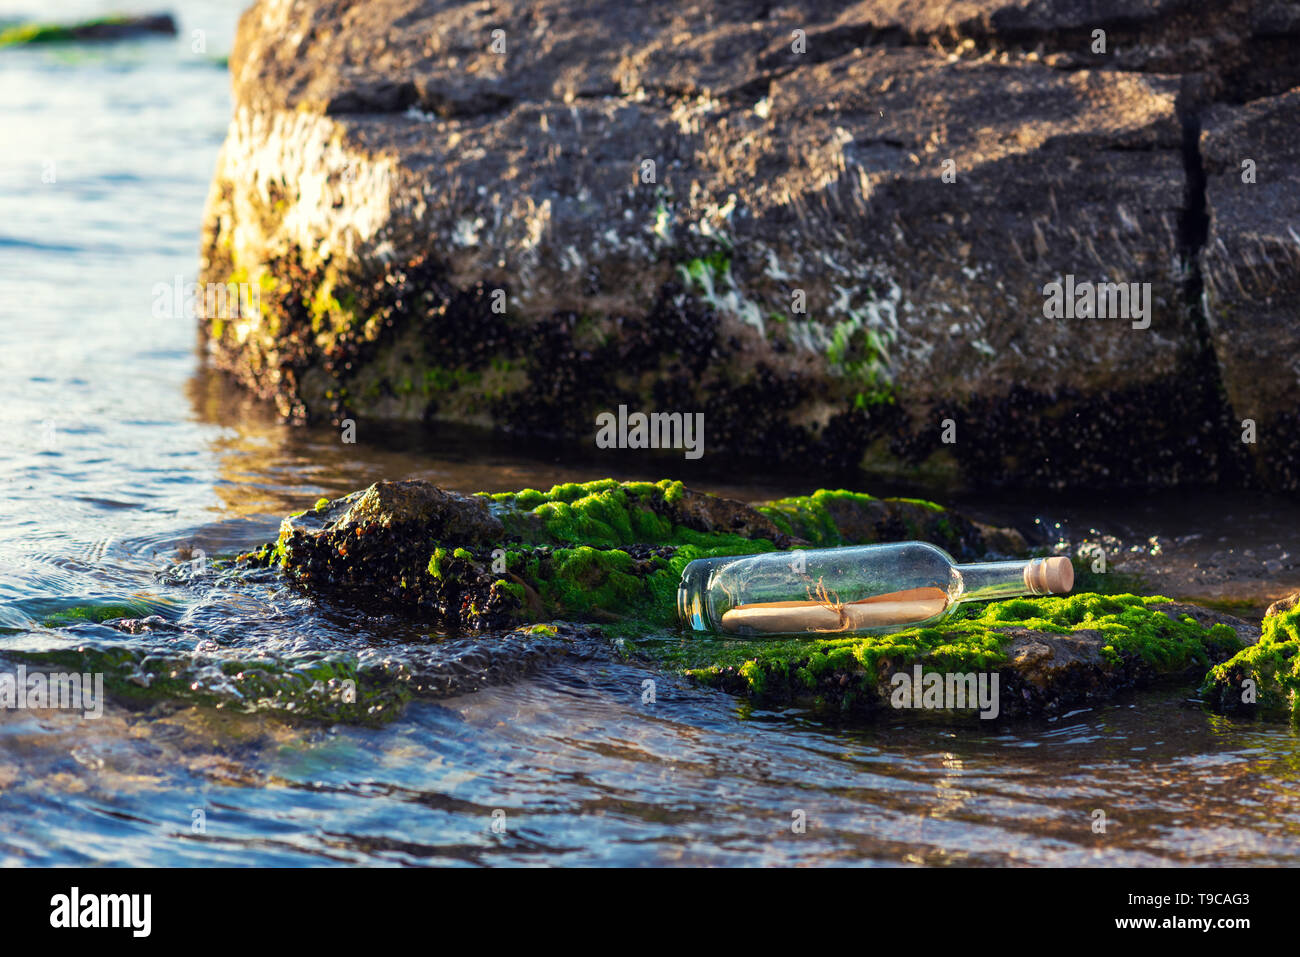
1194 222
1249 266
1193 233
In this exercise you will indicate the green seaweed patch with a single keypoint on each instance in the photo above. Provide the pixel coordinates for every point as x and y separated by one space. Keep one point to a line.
318 689
923 503
632 596
609 516
1272 668
974 639
32 33
99 611
272 553
27 33
834 517
809 516
441 562
604 513
584 581
707 272
861 355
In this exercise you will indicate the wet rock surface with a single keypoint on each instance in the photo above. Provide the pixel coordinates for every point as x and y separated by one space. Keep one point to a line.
605 554
1251 268
404 505
362 686
1283 605
604 551
1060 660
1264 678
108 28
387 172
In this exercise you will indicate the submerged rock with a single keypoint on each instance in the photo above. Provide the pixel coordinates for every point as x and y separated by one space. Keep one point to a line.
368 686
107 28
611 554
828 230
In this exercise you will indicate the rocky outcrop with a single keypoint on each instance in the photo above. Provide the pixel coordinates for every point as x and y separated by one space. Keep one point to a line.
610 555
1251 269
828 230
1283 605
596 551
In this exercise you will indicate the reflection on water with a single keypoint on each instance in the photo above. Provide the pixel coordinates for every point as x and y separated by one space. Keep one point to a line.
122 457
581 772
267 468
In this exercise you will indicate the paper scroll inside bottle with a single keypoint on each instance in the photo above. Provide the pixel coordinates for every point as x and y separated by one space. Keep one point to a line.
901 608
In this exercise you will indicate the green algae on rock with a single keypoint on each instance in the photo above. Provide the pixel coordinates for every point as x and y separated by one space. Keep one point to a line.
320 688
106 28
365 686
1051 654
611 553
63 613
601 551
1263 678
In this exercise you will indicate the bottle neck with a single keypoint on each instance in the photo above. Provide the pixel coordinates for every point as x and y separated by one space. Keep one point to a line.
984 581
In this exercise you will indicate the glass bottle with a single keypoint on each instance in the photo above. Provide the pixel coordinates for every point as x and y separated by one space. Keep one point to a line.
866 589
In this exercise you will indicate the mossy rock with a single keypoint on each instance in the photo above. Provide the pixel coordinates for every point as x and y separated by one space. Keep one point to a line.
1264 678
602 551
358 687
314 688
106 28
1051 655
453 265
611 554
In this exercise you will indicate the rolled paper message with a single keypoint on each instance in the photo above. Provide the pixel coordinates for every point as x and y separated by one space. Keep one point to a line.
793 617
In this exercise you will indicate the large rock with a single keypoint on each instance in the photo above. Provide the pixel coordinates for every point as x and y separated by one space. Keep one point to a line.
386 173
1251 269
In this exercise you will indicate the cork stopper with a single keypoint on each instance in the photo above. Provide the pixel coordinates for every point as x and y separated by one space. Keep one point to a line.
1049 576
